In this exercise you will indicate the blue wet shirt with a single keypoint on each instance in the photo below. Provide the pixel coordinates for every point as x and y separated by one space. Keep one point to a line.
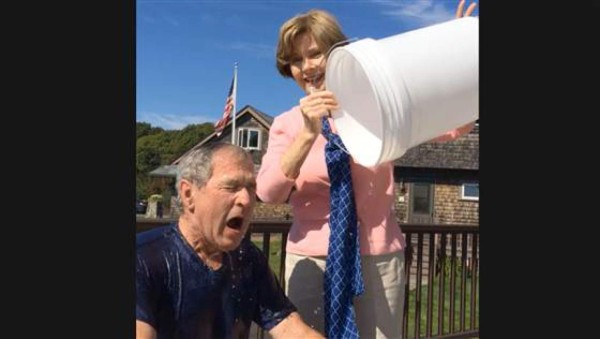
181 297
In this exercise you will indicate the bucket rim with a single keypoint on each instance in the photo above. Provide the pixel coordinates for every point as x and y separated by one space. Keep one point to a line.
348 52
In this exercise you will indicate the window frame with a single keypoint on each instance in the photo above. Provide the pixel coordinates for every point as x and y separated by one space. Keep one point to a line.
247 130
469 197
421 217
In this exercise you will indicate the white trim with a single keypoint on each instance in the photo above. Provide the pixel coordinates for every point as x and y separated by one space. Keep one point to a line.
247 130
462 191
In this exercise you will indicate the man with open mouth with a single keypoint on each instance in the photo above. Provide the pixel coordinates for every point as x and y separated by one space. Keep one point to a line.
199 278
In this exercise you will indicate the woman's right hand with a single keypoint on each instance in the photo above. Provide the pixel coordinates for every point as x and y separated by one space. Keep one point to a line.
314 106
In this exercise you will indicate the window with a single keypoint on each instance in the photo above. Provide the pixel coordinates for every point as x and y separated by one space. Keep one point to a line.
420 208
470 192
249 138
422 198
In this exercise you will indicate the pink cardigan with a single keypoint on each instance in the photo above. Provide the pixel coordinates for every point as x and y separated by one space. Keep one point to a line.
373 192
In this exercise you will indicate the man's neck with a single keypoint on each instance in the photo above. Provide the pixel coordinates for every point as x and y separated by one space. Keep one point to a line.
211 256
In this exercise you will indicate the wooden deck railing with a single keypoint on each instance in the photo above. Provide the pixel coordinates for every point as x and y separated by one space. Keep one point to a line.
442 265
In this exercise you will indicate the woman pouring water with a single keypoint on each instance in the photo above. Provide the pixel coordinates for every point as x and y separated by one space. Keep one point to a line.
294 169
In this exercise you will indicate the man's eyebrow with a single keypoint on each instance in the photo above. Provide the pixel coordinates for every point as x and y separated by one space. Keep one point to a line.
238 181
229 180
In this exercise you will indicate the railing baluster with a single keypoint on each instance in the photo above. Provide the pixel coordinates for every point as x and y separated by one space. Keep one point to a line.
282 261
266 246
431 269
474 280
442 284
463 280
407 266
452 280
418 285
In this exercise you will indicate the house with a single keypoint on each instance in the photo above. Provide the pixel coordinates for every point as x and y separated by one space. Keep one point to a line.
252 128
435 182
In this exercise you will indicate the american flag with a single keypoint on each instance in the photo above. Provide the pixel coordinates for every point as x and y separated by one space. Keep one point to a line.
229 102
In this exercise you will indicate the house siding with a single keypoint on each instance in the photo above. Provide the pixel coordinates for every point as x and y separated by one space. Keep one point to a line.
401 204
448 207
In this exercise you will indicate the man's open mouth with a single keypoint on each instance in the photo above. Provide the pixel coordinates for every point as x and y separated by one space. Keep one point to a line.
235 223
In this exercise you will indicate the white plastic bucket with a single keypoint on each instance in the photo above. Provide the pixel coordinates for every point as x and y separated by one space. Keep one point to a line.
398 92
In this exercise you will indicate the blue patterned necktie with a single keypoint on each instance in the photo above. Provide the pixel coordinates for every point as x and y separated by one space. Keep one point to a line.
342 279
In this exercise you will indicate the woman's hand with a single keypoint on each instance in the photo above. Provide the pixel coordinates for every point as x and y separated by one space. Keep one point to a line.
461 7
315 105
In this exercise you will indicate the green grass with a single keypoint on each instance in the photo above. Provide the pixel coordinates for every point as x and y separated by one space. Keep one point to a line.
274 251
446 317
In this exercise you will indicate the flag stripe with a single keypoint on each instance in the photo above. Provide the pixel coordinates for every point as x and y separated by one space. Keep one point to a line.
220 125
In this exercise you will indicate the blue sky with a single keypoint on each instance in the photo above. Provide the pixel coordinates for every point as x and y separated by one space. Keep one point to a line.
186 50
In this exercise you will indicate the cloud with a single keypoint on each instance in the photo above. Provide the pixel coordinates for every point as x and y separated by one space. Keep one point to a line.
154 16
171 121
419 12
256 50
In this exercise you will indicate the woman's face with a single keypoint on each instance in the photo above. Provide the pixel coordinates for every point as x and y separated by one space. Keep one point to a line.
308 63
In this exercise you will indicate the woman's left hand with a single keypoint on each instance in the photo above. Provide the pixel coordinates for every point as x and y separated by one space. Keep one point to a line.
461 7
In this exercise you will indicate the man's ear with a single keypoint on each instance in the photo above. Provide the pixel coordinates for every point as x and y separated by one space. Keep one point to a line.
186 193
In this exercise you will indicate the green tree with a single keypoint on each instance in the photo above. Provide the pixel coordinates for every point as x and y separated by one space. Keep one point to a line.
156 147
147 159
144 128
188 137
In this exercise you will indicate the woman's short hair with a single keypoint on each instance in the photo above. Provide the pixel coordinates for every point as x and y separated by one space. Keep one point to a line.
319 23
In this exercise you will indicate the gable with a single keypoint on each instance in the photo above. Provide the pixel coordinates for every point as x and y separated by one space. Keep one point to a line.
248 116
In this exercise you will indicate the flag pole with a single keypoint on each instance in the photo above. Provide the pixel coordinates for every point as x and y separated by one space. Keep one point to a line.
233 132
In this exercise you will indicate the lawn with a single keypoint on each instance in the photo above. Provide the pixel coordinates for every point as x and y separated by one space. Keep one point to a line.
446 318
274 250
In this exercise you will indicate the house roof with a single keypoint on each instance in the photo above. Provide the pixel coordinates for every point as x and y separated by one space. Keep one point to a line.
164 171
462 153
263 118
267 118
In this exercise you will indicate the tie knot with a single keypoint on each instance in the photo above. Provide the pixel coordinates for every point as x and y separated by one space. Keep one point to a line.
325 128
334 142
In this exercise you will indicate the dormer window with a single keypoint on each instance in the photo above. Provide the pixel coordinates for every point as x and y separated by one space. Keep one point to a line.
249 138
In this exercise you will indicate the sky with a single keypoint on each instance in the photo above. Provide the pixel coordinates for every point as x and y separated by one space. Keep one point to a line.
186 50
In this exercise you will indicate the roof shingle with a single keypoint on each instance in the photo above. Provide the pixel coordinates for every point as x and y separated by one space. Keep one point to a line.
461 153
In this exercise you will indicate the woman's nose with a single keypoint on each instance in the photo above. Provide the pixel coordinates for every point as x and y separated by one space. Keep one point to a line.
308 64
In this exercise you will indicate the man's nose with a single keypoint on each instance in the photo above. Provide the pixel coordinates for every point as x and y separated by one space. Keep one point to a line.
245 197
